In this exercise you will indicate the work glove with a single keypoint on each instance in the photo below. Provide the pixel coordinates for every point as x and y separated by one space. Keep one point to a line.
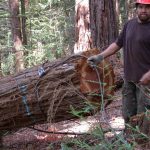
94 60
145 80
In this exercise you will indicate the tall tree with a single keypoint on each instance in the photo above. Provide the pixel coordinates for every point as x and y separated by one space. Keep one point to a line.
96 24
103 24
82 26
117 2
1 74
16 34
24 4
104 28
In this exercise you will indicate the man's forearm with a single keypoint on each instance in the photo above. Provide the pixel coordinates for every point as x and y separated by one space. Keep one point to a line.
112 49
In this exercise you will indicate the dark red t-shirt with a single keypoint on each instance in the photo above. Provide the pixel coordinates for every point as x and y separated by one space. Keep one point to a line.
135 40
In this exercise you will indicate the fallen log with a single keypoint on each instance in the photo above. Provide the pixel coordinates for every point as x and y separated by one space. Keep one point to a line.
47 92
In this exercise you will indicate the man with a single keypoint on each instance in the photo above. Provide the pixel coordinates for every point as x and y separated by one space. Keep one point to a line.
135 40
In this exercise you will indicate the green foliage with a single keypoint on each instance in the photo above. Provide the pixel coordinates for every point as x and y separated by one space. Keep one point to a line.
7 65
97 141
49 28
88 109
97 138
123 12
65 147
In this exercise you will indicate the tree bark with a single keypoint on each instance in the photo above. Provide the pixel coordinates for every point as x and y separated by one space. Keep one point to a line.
117 5
103 23
82 26
1 73
104 28
16 34
23 21
36 95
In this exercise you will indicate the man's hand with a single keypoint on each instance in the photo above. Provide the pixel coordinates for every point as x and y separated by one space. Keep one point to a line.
145 80
94 60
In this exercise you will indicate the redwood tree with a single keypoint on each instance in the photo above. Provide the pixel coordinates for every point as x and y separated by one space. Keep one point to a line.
96 24
16 34
24 5
103 22
82 26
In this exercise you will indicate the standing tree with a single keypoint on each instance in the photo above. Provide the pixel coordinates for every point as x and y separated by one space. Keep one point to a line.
82 26
96 24
16 34
24 4
104 29
117 2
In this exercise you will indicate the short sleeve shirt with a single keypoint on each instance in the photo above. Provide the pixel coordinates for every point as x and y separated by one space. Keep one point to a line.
135 40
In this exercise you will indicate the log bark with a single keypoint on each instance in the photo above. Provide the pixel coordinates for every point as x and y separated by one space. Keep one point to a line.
47 92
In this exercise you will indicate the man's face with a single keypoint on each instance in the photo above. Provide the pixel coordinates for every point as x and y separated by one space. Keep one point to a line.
143 12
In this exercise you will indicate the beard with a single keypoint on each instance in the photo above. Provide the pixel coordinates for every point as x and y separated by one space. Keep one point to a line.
144 18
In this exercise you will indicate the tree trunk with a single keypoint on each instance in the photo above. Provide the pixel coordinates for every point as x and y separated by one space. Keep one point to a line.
117 5
104 28
23 22
16 34
82 26
48 92
1 73
103 23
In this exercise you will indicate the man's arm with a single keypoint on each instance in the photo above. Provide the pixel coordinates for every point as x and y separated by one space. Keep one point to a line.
112 49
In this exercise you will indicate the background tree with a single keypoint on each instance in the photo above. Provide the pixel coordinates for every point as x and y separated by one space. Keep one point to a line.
24 5
16 34
103 22
82 26
49 28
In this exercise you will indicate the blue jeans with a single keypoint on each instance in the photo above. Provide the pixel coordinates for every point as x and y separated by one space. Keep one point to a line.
136 99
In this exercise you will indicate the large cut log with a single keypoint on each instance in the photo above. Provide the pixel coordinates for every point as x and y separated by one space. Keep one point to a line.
46 93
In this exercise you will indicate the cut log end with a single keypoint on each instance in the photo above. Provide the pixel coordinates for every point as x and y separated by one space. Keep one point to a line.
95 82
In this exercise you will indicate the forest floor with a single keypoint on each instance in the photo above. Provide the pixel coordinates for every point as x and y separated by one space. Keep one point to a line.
29 139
